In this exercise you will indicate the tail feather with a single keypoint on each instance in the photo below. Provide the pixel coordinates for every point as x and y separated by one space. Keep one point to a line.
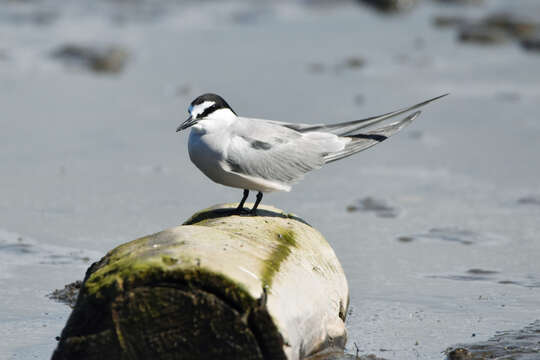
349 127
360 142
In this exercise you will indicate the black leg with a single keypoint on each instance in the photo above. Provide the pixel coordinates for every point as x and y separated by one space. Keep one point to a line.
264 297
259 198
241 205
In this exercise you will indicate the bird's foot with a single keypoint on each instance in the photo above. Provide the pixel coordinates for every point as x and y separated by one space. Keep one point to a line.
242 211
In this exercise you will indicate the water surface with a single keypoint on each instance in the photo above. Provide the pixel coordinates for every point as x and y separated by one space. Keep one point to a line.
91 160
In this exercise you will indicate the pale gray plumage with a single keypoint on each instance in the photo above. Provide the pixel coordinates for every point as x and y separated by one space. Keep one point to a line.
289 155
360 144
267 155
351 127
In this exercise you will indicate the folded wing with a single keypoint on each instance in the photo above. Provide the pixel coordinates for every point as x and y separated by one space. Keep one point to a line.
283 152
268 151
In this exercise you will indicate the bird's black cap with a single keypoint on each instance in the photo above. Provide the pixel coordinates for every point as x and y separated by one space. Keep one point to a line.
219 102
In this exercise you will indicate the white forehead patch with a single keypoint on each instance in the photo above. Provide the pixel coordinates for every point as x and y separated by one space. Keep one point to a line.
199 109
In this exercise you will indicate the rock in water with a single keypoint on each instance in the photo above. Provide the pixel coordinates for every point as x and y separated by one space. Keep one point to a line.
222 286
390 6
104 59
531 44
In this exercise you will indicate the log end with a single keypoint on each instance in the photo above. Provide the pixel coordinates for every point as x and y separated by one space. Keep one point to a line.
223 285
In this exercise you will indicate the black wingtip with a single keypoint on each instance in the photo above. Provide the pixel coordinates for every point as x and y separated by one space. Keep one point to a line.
375 137
441 96
431 100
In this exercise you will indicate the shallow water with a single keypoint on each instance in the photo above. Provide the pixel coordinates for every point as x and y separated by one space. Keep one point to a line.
91 160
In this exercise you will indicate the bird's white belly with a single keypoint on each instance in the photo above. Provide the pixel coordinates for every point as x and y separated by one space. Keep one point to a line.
208 151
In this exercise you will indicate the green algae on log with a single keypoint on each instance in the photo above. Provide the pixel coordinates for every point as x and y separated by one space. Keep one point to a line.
221 286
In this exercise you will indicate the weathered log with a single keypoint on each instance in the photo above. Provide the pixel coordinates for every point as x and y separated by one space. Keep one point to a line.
221 286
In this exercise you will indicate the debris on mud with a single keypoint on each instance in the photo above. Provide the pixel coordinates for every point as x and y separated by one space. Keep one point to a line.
531 44
459 235
495 28
67 295
378 206
529 200
478 274
101 59
482 34
520 344
391 6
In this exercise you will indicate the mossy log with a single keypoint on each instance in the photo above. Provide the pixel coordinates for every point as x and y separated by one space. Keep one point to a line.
221 286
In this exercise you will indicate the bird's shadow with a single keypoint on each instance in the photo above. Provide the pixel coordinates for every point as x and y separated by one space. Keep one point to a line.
225 212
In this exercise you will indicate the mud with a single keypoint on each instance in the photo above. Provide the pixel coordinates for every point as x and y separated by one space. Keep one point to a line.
523 344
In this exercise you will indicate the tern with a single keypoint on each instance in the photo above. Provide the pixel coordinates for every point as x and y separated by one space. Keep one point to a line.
266 155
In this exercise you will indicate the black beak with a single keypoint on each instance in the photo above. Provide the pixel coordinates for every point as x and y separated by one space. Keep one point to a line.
189 122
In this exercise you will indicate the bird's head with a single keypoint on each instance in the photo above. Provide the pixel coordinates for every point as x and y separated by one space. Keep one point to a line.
207 109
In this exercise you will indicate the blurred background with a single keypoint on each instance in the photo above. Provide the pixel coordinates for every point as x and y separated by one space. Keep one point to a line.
437 228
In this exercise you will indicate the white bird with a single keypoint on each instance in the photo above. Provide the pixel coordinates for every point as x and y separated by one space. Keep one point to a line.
267 155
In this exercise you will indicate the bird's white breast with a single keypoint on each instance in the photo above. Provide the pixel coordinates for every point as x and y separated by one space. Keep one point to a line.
209 142
206 151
